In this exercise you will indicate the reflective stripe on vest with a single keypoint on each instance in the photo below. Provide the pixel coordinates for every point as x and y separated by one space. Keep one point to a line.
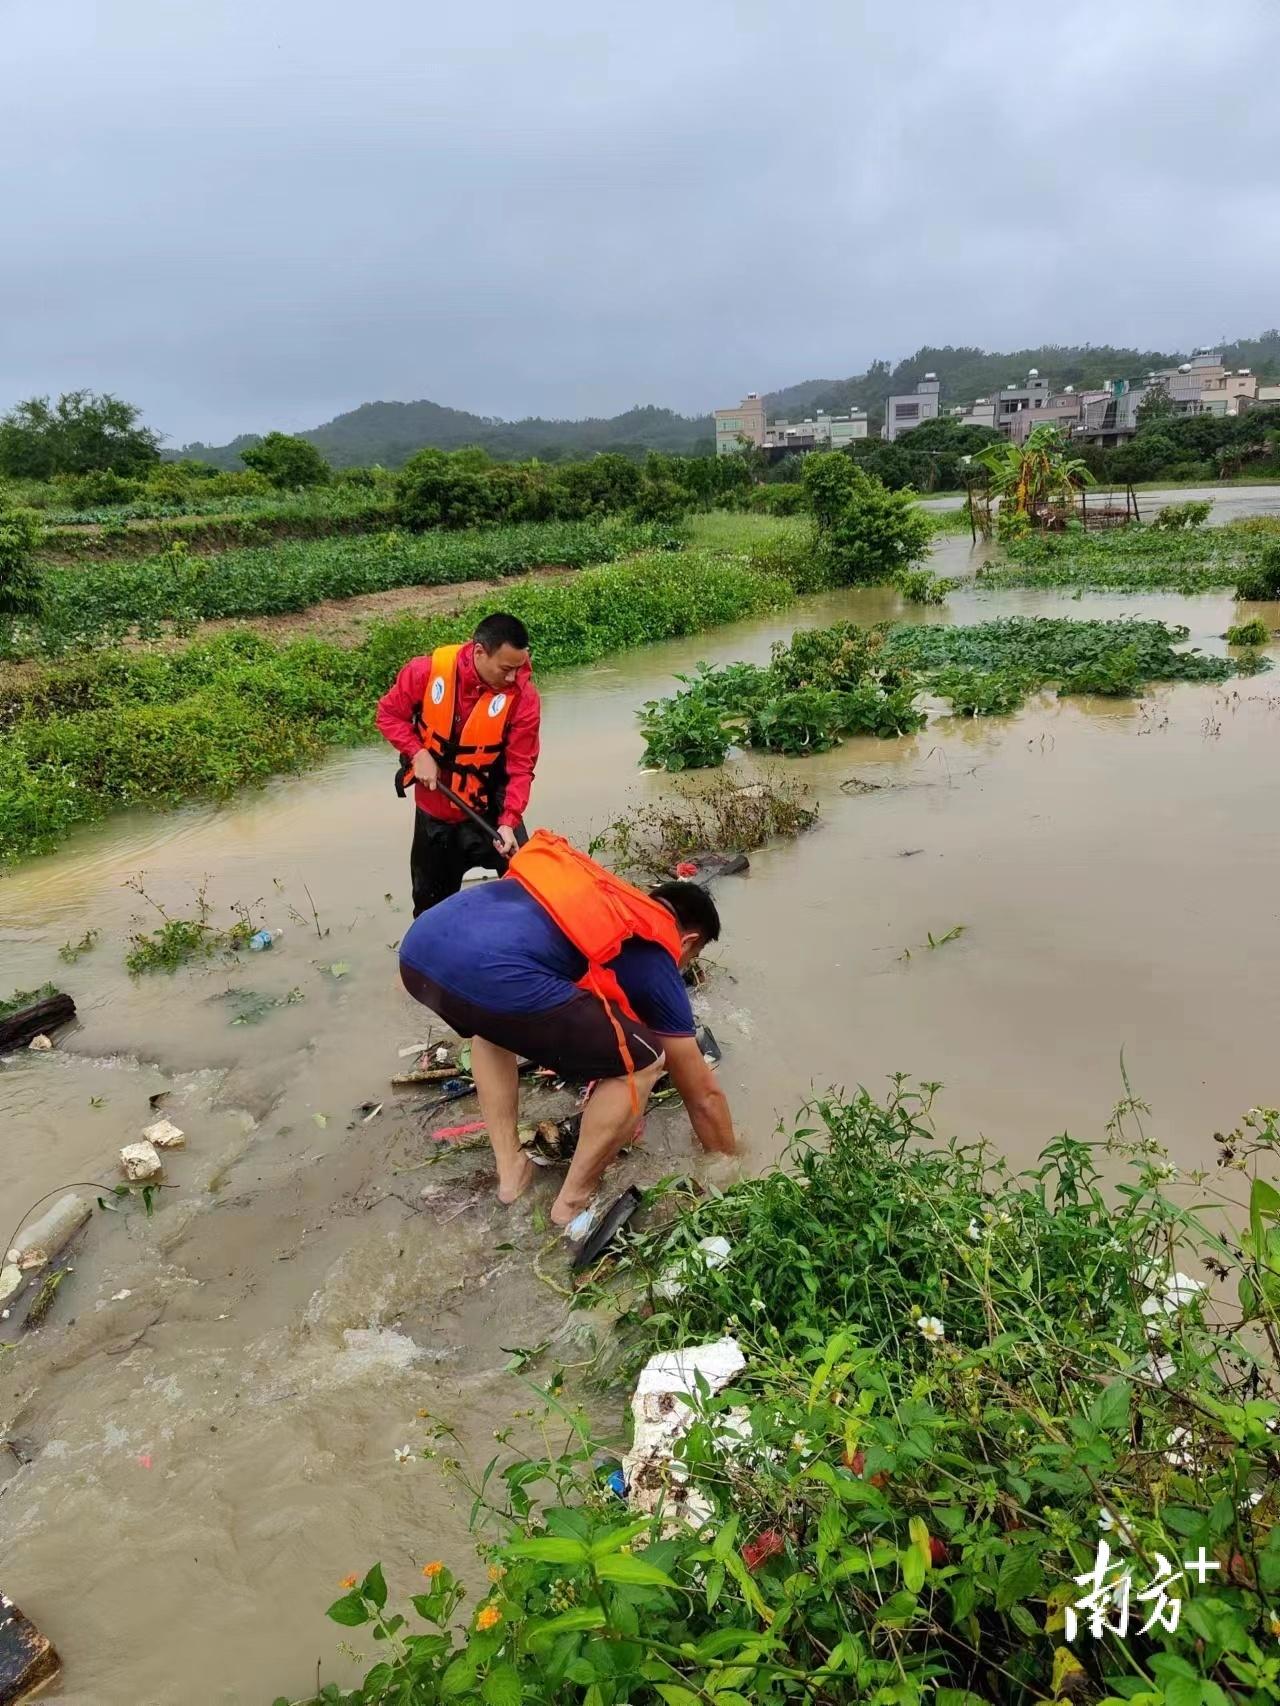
467 762
598 912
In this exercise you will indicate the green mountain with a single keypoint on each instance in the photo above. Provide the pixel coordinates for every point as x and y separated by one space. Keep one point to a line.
389 433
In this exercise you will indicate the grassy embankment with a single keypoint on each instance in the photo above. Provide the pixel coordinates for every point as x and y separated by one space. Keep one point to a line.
960 1386
113 729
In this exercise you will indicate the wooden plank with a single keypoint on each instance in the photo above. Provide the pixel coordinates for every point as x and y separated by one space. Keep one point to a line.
17 1030
27 1659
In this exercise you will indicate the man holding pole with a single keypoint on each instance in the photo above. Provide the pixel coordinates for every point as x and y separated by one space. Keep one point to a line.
467 716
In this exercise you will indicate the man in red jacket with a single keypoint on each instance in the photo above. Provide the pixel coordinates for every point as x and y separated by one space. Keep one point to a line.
467 716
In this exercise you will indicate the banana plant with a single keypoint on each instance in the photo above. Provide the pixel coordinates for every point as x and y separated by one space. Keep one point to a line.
1030 475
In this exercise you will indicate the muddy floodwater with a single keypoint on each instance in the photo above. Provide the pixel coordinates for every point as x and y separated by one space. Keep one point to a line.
212 1412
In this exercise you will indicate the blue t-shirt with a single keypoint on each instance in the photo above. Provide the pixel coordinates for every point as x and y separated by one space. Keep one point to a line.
494 945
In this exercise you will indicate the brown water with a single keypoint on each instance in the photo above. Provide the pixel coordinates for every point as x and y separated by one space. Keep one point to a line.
214 1451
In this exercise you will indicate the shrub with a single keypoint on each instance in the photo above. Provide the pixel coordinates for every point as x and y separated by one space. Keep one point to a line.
287 462
1173 518
21 588
661 500
922 586
101 488
878 535
1254 632
1262 582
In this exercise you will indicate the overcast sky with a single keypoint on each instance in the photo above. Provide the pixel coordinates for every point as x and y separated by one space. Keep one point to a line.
246 214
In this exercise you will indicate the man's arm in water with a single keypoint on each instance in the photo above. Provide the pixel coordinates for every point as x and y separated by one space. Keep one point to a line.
704 1100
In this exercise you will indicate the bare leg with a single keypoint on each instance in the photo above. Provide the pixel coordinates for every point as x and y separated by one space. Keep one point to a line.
608 1122
498 1089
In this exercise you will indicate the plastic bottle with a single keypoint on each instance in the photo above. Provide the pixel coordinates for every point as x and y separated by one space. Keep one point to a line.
263 939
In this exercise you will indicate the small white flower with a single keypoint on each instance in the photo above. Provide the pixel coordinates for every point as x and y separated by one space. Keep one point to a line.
931 1329
403 1453
799 1442
975 1232
757 1302
1106 1522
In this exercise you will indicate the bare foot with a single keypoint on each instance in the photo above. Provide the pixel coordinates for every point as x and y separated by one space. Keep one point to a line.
515 1180
565 1210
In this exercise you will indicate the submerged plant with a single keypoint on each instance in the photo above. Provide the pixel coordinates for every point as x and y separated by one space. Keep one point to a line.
1254 632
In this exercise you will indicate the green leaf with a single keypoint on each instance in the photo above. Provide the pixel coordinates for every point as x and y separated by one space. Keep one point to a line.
617 1538
567 1623
625 1567
460 1676
913 1570
502 1686
581 1671
1019 1576
374 1587
715 1584
350 1610
1111 1412
957 1697
674 1695
377 1678
549 1550
1184 1691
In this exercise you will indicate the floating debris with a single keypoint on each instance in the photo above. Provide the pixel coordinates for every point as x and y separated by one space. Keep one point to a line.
165 1135
141 1161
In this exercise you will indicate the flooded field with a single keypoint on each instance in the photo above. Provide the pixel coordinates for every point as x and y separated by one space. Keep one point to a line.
212 1414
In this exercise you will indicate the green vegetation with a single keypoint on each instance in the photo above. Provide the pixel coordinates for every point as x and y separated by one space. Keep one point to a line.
25 998
1139 558
961 1386
1032 480
79 434
1044 650
827 683
1262 581
176 942
1193 447
922 586
21 589
80 607
865 532
1173 518
113 729
1254 632
830 682
287 463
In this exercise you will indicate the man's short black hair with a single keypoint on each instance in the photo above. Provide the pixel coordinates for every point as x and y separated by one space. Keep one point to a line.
501 630
693 907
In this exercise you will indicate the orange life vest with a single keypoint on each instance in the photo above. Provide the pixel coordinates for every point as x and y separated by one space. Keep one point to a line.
467 762
598 912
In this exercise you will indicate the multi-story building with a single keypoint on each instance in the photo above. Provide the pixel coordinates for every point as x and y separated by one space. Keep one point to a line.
981 412
1020 408
743 425
903 413
819 431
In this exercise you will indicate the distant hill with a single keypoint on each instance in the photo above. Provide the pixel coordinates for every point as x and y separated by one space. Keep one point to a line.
389 433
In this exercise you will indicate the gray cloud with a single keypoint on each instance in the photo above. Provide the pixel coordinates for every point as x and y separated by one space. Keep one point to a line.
244 215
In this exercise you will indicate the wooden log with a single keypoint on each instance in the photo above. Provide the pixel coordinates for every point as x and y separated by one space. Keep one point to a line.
17 1030
27 1659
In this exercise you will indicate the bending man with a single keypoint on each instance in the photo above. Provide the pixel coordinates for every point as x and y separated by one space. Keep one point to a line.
569 966
467 716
